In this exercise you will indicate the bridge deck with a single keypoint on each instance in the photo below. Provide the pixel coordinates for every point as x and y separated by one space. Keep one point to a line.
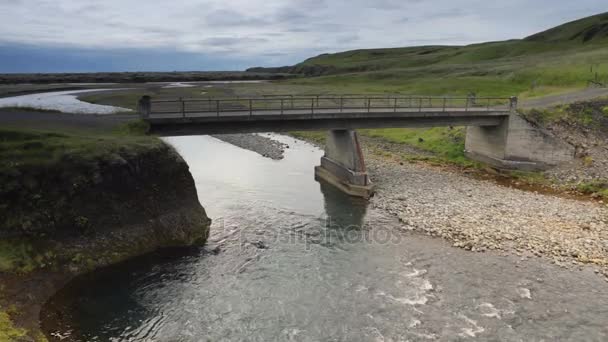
272 114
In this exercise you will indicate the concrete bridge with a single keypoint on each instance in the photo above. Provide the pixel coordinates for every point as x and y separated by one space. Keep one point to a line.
496 134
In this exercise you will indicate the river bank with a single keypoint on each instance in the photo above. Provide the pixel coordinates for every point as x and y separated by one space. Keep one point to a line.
480 215
78 202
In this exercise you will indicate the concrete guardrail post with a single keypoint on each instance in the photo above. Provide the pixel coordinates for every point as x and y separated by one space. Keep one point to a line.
513 103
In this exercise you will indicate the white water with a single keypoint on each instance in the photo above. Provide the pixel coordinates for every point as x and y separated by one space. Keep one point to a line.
63 101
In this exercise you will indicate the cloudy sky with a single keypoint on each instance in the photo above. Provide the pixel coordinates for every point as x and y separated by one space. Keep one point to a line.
115 35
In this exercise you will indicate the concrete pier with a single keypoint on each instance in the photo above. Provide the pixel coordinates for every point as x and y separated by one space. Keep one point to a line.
343 165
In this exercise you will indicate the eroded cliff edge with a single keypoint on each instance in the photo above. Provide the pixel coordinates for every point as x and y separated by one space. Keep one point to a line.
69 214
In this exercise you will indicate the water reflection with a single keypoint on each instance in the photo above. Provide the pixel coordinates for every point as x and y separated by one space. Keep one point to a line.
345 215
109 301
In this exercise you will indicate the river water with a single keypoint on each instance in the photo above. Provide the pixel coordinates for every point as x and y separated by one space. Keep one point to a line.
290 259
63 101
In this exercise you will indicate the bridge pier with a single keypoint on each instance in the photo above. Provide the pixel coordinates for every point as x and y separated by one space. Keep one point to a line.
343 165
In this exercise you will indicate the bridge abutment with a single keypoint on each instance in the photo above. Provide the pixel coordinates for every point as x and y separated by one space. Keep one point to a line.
516 144
343 165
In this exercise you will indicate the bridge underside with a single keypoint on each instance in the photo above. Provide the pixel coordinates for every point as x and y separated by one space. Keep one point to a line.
176 126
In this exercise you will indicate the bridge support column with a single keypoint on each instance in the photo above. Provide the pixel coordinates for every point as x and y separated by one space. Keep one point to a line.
517 144
343 165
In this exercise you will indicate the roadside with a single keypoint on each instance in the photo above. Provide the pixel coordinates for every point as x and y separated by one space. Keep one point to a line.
566 98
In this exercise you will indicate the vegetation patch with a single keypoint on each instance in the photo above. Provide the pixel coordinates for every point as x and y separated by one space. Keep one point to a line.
446 144
589 114
16 257
598 188
8 330
318 138
20 148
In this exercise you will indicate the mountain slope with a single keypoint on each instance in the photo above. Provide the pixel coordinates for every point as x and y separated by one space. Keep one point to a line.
590 29
573 39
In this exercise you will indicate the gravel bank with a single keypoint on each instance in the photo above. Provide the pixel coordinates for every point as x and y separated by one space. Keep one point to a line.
479 215
262 145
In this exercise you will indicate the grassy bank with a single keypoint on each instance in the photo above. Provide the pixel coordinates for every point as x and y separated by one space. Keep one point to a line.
77 200
25 147
23 150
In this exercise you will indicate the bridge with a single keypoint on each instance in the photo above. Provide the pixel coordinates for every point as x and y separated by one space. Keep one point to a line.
496 134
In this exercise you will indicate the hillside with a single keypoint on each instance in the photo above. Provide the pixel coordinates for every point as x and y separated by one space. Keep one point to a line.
585 30
567 56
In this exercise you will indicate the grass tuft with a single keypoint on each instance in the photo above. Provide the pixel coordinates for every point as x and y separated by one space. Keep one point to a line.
8 331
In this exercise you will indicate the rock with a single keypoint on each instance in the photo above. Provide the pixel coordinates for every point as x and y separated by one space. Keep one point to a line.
260 245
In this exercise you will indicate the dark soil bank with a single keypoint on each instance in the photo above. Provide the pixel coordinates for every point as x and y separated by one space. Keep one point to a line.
75 215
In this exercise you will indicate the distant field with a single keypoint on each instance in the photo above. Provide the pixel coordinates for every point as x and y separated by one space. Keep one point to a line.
128 98
137 77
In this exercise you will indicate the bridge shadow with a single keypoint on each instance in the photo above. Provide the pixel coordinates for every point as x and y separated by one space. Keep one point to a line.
345 216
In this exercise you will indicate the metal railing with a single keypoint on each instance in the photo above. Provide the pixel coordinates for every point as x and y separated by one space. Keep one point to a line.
312 104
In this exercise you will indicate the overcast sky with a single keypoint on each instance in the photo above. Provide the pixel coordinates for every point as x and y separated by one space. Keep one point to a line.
233 34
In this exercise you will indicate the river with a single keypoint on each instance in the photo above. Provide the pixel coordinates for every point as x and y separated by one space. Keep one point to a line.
290 259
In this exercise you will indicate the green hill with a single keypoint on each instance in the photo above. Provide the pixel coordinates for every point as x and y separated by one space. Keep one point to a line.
585 30
559 59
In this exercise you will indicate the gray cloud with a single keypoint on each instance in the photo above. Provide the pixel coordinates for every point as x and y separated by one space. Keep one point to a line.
281 30
231 18
231 41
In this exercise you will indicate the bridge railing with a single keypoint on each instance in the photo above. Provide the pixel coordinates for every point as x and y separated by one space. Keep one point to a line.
317 104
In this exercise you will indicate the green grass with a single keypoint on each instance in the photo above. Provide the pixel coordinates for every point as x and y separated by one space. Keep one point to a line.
8 330
599 188
551 62
445 143
314 137
22 147
17 257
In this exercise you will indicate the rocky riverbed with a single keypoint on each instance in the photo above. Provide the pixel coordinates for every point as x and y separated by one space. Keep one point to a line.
480 215
257 143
